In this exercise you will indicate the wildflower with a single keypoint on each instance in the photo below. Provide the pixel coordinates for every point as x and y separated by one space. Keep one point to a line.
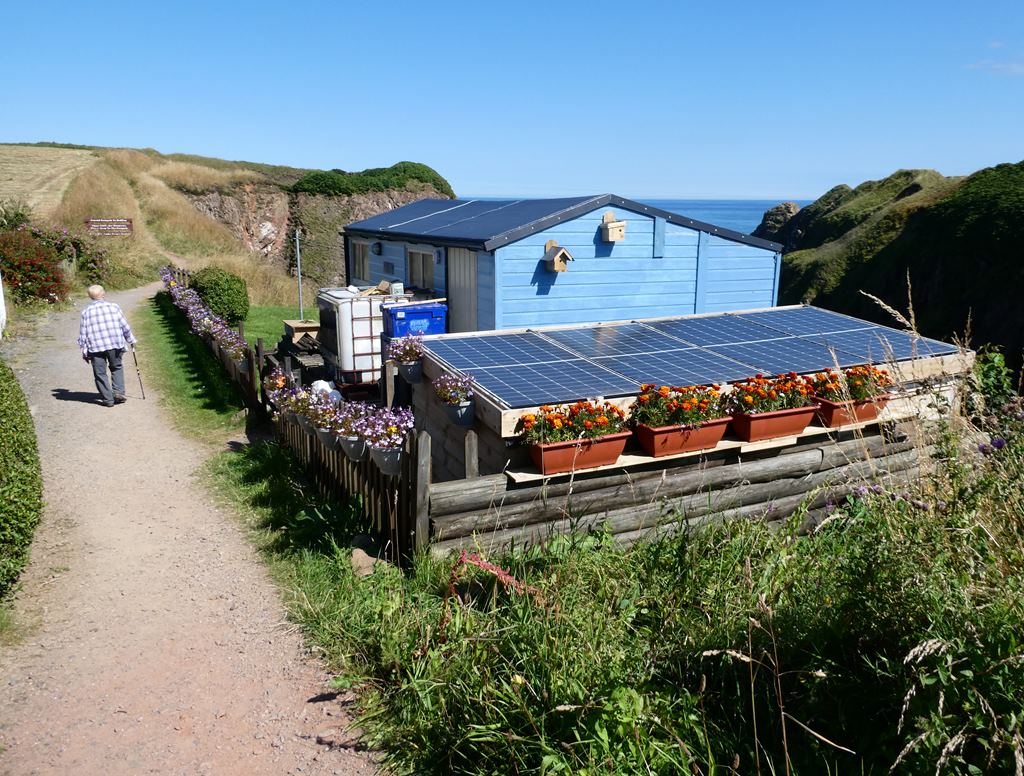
998 443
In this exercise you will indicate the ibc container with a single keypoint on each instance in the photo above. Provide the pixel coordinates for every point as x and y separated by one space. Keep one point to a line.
425 318
350 329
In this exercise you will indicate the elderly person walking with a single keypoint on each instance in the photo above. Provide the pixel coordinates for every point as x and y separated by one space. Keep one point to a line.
103 335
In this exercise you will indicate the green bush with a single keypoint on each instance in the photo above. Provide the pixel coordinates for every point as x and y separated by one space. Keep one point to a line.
31 267
224 293
398 176
21 483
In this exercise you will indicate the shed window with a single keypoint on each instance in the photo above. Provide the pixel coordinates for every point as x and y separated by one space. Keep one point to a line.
360 261
421 269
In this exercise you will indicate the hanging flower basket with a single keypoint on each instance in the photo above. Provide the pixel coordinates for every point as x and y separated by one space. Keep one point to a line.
242 365
576 454
759 426
461 414
670 440
304 422
411 371
389 461
354 447
326 437
833 414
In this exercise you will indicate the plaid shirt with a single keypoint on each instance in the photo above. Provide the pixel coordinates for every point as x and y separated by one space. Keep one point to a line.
103 327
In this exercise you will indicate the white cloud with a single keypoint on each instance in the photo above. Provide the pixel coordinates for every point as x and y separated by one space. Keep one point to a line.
999 68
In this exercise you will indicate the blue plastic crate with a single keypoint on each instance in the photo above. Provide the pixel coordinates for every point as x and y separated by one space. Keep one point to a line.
426 318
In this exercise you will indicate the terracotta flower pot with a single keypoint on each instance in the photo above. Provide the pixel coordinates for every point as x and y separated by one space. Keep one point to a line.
669 440
833 414
575 454
769 425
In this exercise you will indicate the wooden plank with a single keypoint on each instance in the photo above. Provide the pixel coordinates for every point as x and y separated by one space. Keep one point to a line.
472 456
423 473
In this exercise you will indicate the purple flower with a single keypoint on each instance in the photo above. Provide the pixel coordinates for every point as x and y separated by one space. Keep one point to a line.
454 388
861 491
877 489
998 443
984 448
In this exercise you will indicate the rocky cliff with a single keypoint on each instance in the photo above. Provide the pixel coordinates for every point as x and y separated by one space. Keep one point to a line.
958 240
264 214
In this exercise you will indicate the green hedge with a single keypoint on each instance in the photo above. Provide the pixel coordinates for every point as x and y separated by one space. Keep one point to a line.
224 293
21 483
397 176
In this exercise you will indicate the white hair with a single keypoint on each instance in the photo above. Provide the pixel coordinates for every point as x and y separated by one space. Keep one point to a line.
95 292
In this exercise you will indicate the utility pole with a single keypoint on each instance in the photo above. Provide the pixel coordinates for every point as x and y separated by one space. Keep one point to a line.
298 270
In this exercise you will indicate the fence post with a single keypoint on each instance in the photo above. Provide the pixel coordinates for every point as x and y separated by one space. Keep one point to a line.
472 455
259 373
389 383
423 472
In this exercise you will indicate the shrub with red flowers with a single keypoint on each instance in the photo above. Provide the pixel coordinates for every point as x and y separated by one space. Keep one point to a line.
582 420
767 394
665 405
31 267
858 383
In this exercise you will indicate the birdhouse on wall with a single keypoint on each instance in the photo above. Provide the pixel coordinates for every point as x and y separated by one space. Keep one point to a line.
556 257
612 230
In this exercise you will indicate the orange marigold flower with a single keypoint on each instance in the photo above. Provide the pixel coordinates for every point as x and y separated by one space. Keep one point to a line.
601 420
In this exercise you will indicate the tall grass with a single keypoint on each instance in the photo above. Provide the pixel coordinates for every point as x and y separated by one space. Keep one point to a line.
198 179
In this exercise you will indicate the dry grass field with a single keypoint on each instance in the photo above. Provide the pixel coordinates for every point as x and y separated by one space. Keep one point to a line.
39 175
67 186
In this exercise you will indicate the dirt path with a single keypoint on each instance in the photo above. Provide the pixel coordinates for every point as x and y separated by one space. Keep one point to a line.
158 643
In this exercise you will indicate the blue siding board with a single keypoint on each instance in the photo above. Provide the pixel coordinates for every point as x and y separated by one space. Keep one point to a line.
659 238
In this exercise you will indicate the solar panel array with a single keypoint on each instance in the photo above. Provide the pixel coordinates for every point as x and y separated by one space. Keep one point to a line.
563 365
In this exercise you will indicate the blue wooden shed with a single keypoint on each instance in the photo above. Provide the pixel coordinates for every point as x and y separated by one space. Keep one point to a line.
540 262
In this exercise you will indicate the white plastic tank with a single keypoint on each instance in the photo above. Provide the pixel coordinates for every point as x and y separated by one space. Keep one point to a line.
350 329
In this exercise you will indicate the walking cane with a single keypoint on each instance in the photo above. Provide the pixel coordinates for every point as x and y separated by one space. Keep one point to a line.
138 372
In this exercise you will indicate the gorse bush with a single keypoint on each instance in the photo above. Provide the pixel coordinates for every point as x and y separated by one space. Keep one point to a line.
21 484
31 267
224 293
398 176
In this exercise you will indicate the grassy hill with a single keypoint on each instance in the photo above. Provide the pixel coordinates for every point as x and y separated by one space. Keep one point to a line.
206 210
958 240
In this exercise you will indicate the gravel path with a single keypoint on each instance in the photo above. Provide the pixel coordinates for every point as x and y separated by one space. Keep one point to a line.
157 642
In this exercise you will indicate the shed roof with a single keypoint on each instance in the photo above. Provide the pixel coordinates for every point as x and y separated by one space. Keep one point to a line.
489 224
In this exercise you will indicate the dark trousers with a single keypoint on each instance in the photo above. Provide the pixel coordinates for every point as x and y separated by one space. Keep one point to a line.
100 362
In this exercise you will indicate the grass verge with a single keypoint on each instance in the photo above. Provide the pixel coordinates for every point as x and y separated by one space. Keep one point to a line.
192 383
265 321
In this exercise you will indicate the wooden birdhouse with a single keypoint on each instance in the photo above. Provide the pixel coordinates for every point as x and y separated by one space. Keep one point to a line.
612 230
556 257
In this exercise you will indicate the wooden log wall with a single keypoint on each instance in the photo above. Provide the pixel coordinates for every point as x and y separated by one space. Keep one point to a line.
490 512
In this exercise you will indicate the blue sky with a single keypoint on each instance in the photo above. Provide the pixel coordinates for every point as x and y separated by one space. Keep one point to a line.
671 99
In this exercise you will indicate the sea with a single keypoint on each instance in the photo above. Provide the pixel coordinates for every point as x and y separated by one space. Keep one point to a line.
740 215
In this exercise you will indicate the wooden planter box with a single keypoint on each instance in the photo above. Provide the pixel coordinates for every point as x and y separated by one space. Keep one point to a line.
768 425
833 414
669 440
575 454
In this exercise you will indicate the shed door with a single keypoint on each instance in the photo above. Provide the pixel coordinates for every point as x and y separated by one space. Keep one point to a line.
461 289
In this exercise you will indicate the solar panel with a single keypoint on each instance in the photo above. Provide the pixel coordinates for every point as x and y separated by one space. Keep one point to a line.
804 320
530 385
621 340
714 330
879 344
563 365
687 366
788 354
476 351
